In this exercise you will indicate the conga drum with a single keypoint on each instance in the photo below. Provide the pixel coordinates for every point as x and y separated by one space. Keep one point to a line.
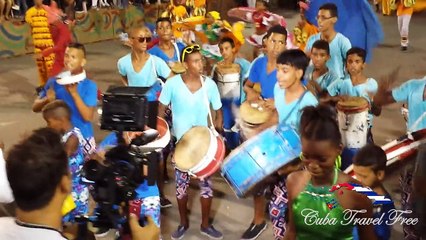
228 80
352 114
199 152
253 117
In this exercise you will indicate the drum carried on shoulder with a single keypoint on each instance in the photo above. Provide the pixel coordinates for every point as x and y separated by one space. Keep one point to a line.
228 80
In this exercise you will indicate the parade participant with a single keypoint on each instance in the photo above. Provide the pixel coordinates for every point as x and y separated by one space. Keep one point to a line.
169 50
141 69
260 28
36 17
357 85
419 192
229 53
339 44
309 189
40 191
166 49
187 95
5 9
304 28
61 36
386 7
369 168
57 115
264 71
404 12
6 193
290 97
80 96
318 75
411 92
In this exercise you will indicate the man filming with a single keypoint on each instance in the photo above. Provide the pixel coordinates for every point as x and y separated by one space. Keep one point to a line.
37 170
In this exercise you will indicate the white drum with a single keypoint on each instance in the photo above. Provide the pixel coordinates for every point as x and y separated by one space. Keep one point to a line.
353 121
228 81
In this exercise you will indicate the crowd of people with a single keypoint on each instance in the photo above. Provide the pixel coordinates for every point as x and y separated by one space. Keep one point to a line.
299 87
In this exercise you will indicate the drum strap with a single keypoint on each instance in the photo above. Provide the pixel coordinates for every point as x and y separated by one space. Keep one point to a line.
294 107
176 50
207 102
417 122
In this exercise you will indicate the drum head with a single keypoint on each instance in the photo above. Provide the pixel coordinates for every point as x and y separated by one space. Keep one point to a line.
252 114
226 69
353 104
178 68
192 147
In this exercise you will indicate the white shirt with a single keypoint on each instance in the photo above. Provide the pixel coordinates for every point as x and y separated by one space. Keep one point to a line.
5 191
10 229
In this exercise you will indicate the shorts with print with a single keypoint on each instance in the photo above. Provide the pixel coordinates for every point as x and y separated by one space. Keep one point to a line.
182 184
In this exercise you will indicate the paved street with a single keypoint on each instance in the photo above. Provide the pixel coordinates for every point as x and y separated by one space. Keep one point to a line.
18 78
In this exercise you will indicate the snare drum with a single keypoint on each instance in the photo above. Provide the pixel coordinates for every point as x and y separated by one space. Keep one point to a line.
353 121
228 80
199 152
248 165
252 118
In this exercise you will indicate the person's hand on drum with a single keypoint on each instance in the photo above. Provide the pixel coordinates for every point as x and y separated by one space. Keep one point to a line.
218 125
253 96
268 104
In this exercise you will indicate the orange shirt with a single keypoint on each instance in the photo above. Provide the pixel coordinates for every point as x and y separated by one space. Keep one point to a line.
401 10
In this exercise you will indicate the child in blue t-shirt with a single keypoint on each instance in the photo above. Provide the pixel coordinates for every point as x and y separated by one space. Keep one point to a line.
57 115
357 85
369 167
290 97
318 75
230 96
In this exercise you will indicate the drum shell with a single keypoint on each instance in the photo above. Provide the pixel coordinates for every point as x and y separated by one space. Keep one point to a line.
353 126
259 157
211 160
229 85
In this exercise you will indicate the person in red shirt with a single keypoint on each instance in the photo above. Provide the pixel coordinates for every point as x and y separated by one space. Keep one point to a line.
61 36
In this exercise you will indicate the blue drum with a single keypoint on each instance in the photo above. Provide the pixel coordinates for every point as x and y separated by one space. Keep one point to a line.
249 164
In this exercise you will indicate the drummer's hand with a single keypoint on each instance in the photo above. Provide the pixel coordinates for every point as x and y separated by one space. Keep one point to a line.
50 94
269 104
72 89
253 96
219 125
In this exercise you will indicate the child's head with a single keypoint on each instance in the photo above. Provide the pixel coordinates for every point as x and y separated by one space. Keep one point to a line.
261 4
320 53
327 17
291 66
75 57
355 60
227 48
369 165
276 41
57 115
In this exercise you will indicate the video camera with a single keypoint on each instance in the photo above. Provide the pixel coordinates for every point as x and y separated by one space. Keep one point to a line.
115 182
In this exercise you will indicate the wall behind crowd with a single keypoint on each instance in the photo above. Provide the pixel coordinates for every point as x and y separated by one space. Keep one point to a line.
96 25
